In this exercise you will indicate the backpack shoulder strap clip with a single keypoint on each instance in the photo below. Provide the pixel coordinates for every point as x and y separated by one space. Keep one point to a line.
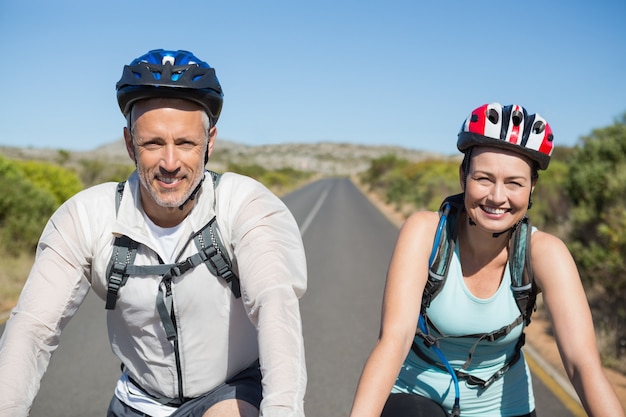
211 252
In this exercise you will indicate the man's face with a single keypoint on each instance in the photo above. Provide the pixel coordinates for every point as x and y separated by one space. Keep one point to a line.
169 143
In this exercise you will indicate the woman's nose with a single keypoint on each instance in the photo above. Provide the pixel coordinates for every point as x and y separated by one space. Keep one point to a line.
498 193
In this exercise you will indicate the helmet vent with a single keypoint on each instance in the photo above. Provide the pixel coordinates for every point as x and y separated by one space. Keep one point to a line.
539 127
493 116
508 127
170 74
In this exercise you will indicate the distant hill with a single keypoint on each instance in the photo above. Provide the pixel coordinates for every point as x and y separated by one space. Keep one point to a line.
325 158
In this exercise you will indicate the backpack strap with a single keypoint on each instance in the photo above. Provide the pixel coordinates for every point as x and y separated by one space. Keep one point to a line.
124 252
520 266
211 252
522 284
443 248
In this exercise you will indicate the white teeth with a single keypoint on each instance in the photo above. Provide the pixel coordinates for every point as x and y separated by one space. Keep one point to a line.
168 180
492 210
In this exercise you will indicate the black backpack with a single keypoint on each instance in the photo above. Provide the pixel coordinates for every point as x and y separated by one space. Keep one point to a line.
211 252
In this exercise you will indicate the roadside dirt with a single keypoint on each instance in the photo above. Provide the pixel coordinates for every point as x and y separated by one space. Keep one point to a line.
538 333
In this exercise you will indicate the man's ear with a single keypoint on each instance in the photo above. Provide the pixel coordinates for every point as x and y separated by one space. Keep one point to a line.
209 148
128 139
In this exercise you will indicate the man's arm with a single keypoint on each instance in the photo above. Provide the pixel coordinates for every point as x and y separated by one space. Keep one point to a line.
53 292
272 269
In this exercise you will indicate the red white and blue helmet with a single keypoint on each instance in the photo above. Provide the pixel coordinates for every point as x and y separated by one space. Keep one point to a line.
170 74
508 127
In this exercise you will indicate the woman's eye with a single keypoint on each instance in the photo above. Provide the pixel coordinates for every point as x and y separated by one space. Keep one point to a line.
516 184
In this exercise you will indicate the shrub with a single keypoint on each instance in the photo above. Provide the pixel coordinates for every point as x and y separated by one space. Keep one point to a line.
24 209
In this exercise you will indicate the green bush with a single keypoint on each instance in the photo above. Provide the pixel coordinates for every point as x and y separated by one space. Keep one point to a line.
95 171
422 185
24 209
60 182
551 206
277 180
596 186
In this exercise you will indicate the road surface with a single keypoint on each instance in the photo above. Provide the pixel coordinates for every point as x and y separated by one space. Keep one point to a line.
348 245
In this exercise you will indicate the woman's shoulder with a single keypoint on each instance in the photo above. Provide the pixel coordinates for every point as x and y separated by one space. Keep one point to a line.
545 244
553 264
421 218
421 223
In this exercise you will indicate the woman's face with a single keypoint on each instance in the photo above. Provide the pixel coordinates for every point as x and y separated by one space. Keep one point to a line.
497 188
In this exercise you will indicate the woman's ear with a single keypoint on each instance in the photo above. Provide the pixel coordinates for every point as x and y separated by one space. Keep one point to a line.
462 177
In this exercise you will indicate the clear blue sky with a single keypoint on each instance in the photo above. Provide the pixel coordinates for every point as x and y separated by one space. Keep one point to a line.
372 72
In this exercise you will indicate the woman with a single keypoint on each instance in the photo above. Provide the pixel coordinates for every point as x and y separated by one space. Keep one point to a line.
466 356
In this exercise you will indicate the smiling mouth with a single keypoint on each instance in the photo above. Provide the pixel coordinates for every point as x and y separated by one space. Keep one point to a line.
494 210
169 180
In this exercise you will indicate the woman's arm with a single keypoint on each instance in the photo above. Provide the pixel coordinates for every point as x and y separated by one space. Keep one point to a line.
406 278
557 276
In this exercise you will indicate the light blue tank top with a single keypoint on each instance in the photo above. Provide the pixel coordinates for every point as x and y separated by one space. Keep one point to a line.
455 312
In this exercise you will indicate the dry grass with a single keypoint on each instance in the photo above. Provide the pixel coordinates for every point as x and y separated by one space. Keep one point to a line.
13 273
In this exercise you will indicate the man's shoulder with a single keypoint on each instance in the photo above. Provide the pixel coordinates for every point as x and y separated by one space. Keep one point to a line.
95 196
232 182
236 192
105 189
236 178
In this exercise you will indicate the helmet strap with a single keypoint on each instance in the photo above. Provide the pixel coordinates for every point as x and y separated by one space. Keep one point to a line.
496 235
193 195
471 222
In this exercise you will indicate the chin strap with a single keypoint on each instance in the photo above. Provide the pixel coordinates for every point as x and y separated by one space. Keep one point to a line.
496 235
193 194
471 222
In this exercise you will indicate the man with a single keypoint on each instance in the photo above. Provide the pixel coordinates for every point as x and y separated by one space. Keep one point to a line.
196 335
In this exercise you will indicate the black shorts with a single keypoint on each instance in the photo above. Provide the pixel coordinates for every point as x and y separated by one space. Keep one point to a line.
411 405
245 386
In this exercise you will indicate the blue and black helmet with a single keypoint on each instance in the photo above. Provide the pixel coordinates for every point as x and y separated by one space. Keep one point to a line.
170 74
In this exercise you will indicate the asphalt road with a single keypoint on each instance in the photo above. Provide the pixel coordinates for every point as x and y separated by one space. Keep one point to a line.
348 245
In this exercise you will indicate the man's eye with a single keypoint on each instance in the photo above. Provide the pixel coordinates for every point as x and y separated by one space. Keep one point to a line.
151 146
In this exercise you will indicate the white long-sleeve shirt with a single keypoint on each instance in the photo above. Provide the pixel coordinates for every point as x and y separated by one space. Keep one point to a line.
218 334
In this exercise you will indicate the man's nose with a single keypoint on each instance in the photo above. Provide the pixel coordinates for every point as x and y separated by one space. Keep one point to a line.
169 158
